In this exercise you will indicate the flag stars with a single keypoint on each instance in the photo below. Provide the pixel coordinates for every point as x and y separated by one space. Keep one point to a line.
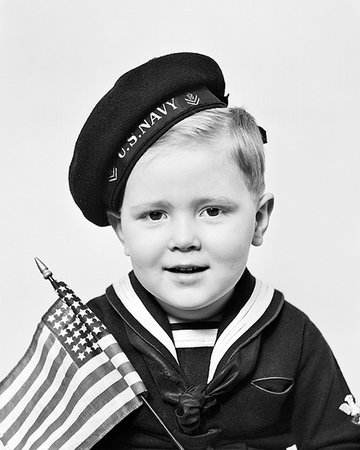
76 333
89 336
75 348
69 340
76 327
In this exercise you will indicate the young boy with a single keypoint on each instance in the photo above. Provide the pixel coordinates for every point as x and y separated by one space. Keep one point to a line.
227 362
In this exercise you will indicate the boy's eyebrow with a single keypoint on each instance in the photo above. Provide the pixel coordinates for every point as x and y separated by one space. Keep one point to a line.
150 205
221 200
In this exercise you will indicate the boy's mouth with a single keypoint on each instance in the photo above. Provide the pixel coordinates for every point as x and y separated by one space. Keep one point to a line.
186 269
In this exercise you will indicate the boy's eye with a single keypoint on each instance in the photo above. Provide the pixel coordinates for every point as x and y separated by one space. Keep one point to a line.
156 215
212 212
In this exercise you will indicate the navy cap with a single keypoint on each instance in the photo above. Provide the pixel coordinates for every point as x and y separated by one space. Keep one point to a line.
145 95
143 104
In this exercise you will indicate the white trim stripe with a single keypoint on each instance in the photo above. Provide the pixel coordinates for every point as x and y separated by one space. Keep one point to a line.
194 338
251 312
135 306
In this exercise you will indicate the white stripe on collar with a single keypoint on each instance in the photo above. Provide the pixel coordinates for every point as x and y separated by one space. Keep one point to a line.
135 306
189 338
253 309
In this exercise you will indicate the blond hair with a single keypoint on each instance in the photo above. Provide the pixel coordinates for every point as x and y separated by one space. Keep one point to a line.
237 132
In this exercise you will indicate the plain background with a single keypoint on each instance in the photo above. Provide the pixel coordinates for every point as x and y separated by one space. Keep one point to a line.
293 64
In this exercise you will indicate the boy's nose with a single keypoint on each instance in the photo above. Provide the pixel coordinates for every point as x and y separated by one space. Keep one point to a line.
184 236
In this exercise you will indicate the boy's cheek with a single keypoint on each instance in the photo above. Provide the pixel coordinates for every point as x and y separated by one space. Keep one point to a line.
142 251
233 247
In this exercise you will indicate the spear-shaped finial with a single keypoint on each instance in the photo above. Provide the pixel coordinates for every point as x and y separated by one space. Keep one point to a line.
46 273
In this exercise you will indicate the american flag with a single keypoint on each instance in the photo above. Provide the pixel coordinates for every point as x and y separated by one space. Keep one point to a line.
71 387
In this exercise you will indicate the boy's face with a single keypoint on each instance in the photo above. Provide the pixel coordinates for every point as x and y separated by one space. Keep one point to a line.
187 223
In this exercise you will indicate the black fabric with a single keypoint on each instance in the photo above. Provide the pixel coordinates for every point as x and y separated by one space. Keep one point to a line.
291 391
194 363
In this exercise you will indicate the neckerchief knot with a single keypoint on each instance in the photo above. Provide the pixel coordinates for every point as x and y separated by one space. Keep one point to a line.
189 408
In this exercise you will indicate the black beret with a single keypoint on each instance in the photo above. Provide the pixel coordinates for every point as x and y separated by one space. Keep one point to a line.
144 103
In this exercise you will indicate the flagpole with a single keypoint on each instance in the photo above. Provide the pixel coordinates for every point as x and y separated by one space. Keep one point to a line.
158 418
48 275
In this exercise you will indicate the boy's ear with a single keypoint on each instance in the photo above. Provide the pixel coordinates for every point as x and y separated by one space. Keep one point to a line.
115 221
264 210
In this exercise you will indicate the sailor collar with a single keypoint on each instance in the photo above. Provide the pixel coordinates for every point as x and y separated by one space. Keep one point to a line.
253 306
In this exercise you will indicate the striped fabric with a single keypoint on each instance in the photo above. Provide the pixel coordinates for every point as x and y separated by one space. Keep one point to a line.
193 334
194 342
71 387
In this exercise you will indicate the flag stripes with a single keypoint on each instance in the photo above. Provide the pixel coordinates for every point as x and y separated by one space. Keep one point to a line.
71 387
92 433
34 418
24 368
92 402
40 397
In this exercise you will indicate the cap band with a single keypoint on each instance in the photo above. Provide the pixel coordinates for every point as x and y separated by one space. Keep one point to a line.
155 124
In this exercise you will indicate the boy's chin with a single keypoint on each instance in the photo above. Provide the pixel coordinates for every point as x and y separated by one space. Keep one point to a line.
188 314
195 313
